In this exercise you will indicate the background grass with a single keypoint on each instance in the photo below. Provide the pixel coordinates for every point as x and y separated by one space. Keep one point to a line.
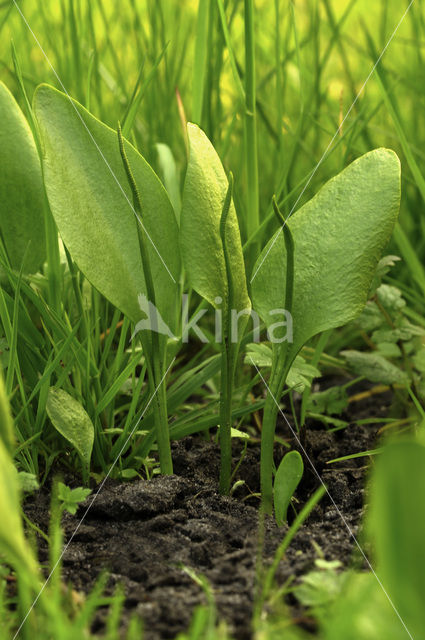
309 65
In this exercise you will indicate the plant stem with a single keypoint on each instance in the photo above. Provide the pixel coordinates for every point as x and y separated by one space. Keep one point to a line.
282 362
271 408
153 353
161 421
226 416
228 359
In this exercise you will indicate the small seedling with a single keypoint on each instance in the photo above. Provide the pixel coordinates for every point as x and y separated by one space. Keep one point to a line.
70 499
123 237
288 477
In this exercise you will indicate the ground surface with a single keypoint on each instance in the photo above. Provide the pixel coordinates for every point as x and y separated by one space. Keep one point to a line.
143 532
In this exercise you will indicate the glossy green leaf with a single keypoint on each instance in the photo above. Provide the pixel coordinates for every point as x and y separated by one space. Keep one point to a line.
203 197
396 525
288 476
339 237
92 204
21 188
71 420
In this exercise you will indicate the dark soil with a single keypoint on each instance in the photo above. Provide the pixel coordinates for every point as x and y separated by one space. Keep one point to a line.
143 533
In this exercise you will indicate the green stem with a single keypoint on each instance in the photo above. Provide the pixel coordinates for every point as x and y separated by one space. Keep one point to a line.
282 361
226 417
271 408
228 358
161 420
53 258
153 352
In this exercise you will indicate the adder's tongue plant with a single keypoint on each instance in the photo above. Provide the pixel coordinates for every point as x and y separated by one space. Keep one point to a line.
338 239
86 179
212 256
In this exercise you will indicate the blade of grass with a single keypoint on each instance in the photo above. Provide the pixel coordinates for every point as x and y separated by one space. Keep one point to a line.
251 147
200 60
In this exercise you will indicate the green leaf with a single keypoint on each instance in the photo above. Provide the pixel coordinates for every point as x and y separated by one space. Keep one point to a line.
390 298
301 374
13 546
237 433
419 360
384 265
287 478
371 318
91 201
332 401
258 353
389 350
71 420
71 498
374 367
336 423
203 197
396 525
128 474
21 188
339 236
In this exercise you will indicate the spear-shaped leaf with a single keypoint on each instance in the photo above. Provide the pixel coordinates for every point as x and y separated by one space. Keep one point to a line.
202 250
91 201
339 236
